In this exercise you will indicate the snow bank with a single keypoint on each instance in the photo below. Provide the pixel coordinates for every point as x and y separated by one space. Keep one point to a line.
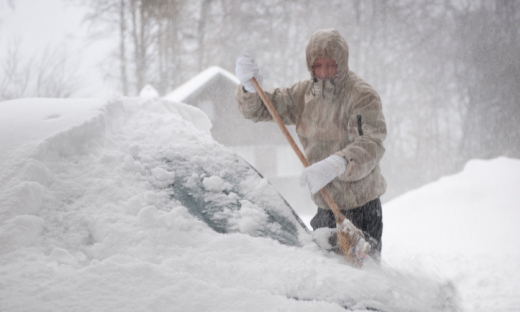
90 221
475 212
29 121
465 226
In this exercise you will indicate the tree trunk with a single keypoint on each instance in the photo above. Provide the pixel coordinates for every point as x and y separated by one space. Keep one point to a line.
122 47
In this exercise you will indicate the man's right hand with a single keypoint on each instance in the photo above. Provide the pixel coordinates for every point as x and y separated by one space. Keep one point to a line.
246 69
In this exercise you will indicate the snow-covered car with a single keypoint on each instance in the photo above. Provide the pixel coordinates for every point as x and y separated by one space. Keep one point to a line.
130 205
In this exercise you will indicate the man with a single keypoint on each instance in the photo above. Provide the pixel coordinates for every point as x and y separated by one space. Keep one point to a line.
341 127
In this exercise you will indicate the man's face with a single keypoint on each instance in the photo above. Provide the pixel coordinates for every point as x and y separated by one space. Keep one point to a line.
325 68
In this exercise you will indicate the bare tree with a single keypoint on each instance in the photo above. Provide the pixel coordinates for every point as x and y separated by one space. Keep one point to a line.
50 75
8 3
15 76
122 46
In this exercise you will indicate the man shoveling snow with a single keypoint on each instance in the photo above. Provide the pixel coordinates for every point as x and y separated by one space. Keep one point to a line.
341 127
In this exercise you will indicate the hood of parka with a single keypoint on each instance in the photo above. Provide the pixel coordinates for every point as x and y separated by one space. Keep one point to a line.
328 43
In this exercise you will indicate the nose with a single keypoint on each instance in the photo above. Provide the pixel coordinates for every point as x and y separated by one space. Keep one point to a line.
321 73
325 72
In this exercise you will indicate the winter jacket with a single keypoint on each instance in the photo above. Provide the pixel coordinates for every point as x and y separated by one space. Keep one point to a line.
341 116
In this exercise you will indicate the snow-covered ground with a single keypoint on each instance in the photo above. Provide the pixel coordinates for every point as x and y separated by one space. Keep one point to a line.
88 223
464 227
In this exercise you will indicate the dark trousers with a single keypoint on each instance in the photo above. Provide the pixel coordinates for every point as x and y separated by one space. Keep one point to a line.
368 218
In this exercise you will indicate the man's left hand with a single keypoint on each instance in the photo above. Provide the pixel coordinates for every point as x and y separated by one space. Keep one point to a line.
321 173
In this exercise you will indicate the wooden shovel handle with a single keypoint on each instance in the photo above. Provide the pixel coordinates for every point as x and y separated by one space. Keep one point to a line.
335 210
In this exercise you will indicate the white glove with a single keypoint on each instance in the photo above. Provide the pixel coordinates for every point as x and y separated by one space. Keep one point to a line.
322 172
246 69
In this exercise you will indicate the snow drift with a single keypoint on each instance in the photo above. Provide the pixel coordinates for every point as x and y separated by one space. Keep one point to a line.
465 227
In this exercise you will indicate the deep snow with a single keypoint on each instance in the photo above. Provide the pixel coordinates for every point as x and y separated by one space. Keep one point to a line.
464 227
87 223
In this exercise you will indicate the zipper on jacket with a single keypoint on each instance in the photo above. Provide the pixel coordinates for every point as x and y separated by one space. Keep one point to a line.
314 81
359 125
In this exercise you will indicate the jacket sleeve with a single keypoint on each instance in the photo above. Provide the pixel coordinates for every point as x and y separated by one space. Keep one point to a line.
285 100
366 129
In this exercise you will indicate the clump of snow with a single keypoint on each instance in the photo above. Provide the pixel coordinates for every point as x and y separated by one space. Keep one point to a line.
322 235
216 184
20 231
249 219
163 177
252 218
148 92
191 114
23 198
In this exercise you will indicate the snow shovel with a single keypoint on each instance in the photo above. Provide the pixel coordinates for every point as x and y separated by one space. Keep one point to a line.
348 234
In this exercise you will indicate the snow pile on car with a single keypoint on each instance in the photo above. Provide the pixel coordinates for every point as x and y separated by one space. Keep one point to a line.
129 204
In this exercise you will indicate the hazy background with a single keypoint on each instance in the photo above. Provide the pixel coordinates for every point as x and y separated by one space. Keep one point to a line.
448 71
